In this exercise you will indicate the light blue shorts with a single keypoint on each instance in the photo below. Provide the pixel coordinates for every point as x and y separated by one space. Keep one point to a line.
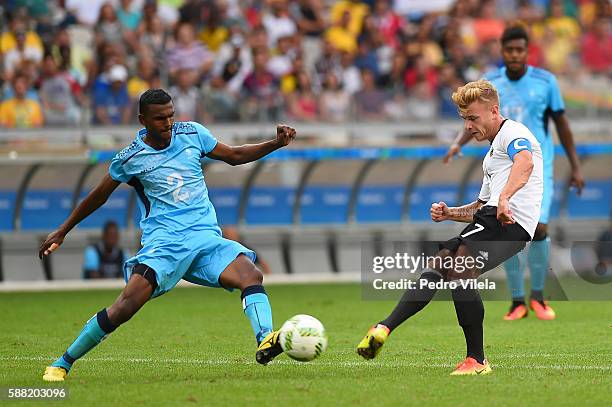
549 192
198 257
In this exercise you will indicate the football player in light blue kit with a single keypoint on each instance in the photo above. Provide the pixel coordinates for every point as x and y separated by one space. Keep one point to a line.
181 238
531 96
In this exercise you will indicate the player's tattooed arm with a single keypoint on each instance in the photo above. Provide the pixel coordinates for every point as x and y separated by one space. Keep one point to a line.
95 199
236 155
440 212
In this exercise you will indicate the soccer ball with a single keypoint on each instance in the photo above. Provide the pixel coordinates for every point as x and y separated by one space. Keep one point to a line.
303 338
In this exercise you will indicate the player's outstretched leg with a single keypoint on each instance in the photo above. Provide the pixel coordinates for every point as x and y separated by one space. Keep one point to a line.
137 291
470 314
412 301
515 271
539 253
243 274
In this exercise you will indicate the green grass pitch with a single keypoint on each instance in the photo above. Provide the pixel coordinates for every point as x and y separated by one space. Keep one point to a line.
194 346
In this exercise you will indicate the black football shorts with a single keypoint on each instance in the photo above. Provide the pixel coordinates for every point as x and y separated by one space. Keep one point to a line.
488 240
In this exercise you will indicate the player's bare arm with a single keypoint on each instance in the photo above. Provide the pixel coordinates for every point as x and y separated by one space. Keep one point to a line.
95 199
455 148
567 141
519 175
441 212
236 155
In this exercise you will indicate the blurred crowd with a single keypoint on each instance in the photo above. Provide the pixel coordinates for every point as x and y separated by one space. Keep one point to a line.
69 62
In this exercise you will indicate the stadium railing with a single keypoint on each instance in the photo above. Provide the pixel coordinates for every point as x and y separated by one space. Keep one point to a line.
351 133
304 210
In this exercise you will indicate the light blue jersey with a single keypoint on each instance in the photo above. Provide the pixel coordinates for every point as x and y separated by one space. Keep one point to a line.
181 237
170 184
532 100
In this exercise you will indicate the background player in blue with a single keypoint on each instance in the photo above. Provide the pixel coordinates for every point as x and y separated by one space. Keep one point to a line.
181 238
531 96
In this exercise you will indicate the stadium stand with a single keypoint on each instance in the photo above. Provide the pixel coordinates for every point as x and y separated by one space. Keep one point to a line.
309 209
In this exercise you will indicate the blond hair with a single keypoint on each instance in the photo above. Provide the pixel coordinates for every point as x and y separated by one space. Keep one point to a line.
481 90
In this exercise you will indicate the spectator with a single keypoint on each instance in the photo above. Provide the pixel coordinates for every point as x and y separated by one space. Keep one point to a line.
278 22
59 106
311 25
597 48
18 111
128 15
188 53
370 101
261 89
335 103
105 259
366 58
153 40
350 75
22 51
258 38
110 30
233 63
449 82
329 62
394 79
215 33
86 12
281 63
73 57
111 99
108 55
147 77
487 26
427 46
29 70
186 96
340 36
8 39
421 103
220 102
388 23
302 102
356 11
421 71
564 27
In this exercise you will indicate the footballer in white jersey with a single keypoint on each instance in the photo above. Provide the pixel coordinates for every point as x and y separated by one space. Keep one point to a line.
512 138
501 221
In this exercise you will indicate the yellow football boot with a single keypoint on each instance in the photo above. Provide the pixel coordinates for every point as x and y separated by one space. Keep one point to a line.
54 374
370 345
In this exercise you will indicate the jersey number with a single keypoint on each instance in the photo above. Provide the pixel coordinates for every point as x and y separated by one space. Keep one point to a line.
178 196
479 228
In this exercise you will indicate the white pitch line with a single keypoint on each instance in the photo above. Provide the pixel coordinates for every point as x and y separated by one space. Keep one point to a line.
517 355
221 362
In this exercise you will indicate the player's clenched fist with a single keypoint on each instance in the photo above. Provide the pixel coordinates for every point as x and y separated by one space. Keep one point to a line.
439 212
284 134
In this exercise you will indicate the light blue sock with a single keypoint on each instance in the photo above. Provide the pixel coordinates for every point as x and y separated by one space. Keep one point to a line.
538 263
515 272
94 331
257 309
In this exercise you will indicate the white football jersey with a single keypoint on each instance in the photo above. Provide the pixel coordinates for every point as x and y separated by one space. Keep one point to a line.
512 138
